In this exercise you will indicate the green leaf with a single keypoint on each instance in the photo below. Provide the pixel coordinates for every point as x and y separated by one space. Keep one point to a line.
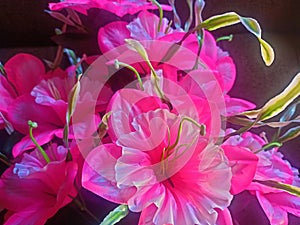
72 100
231 18
282 186
277 104
290 134
116 215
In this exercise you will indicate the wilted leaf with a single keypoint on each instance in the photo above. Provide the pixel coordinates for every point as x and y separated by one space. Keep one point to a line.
116 215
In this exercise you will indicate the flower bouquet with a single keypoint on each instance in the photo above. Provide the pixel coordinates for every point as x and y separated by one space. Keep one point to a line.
144 120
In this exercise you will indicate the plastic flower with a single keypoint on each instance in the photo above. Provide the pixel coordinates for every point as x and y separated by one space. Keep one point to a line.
149 169
145 29
33 190
47 105
120 8
271 166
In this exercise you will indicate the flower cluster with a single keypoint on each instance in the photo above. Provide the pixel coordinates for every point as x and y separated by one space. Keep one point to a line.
146 122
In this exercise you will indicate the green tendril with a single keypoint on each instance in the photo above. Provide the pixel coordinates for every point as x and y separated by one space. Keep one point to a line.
42 151
161 14
118 64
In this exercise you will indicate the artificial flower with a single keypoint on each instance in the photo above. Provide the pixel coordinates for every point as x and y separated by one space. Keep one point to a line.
33 190
120 8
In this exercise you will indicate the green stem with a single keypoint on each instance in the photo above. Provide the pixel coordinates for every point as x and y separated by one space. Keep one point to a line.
42 151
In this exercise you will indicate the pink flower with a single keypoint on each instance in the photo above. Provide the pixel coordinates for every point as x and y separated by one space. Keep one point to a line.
276 203
170 174
16 81
118 7
47 105
33 191
145 28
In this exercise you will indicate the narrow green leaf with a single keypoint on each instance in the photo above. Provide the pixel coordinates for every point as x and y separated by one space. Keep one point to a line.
220 21
282 186
72 99
231 18
116 215
277 104
290 134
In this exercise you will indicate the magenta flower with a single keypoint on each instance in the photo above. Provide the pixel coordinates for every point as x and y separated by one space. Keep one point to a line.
159 164
16 81
47 105
118 7
33 190
29 93
145 28
276 203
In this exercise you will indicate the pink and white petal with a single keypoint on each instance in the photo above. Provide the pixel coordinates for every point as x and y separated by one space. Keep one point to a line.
24 71
144 27
243 166
99 174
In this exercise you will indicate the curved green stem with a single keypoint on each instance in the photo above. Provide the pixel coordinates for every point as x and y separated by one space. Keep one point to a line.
42 151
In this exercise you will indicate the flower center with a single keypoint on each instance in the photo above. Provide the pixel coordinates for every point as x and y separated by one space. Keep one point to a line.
173 152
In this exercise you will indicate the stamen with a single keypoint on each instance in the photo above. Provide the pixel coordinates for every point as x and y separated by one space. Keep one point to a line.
118 64
186 119
166 152
42 151
225 38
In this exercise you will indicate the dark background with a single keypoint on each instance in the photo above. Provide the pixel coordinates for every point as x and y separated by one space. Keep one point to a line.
25 27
